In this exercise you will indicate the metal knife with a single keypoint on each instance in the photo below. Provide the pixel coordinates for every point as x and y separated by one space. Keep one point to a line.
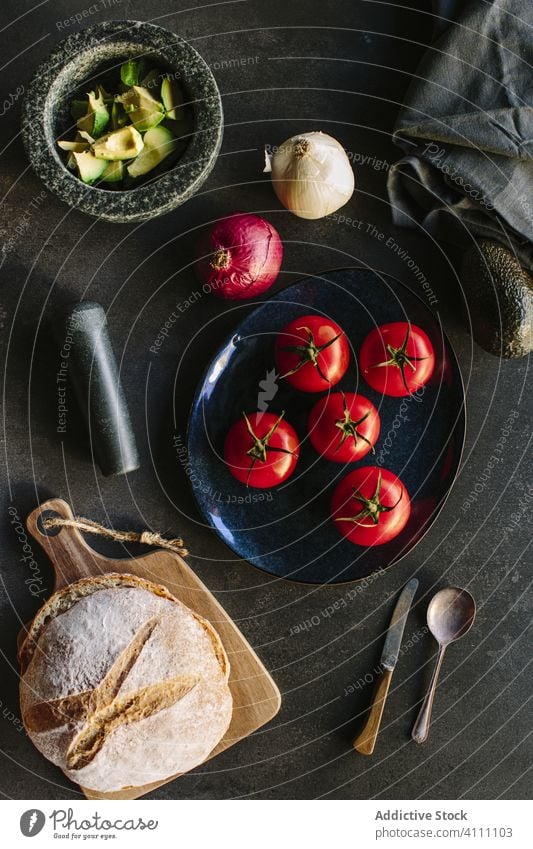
366 739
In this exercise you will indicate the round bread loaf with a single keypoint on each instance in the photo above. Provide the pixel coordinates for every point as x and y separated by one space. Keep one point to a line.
122 684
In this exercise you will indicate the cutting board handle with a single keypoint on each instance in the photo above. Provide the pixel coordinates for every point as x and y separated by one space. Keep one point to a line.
70 555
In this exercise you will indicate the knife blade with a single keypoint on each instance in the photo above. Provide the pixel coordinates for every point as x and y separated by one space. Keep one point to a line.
366 740
393 640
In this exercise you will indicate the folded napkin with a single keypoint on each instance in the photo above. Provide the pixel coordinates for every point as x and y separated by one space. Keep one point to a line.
467 129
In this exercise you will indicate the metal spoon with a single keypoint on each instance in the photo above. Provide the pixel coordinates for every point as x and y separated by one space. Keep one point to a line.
450 615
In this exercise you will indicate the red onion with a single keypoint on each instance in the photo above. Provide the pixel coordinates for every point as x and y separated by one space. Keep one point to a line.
239 257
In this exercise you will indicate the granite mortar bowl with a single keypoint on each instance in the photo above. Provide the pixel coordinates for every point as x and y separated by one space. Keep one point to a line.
78 62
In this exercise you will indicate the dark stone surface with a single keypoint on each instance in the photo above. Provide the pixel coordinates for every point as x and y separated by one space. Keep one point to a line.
342 67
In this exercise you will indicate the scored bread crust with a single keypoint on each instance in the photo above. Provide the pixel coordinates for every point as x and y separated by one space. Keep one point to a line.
124 690
63 599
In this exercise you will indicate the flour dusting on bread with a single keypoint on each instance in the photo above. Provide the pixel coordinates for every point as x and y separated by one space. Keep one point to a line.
123 685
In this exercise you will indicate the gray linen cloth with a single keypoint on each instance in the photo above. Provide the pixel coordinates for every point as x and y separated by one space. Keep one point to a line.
467 129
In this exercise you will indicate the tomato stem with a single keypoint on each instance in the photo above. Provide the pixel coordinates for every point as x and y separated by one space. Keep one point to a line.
348 427
260 445
400 358
309 353
372 507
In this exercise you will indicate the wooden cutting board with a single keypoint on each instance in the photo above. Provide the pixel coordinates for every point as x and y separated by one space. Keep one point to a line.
256 698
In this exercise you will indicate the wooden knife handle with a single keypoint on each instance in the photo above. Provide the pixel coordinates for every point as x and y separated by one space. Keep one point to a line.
366 740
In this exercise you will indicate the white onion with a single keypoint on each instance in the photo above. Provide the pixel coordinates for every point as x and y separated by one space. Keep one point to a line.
312 175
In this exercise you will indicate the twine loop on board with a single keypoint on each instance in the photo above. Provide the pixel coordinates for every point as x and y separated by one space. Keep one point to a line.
90 527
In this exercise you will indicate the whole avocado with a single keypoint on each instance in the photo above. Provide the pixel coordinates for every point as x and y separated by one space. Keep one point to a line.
499 299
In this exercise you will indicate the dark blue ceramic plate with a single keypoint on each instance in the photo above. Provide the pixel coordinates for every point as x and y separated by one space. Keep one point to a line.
287 530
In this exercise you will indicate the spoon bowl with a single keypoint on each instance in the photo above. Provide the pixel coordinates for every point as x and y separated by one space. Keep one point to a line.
451 614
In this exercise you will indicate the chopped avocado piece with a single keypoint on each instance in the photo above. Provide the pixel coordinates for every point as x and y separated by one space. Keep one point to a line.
101 114
158 144
97 117
79 145
120 144
128 73
74 146
78 108
498 299
118 116
172 97
144 111
114 172
132 71
138 99
90 169
81 135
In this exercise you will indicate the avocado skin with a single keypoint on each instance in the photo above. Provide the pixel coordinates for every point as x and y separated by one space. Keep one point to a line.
499 299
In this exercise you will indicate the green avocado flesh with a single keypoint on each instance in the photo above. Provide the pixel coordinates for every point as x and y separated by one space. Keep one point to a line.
499 299
158 144
97 117
74 146
114 172
125 143
143 110
89 168
132 71
172 98
136 114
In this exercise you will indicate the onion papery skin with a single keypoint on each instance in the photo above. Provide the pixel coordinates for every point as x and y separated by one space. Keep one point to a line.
311 175
239 257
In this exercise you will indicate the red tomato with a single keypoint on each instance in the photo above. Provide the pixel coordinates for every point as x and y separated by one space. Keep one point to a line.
397 359
261 450
343 427
312 353
370 506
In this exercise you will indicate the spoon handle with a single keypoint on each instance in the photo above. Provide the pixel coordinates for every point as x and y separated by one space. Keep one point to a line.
420 730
